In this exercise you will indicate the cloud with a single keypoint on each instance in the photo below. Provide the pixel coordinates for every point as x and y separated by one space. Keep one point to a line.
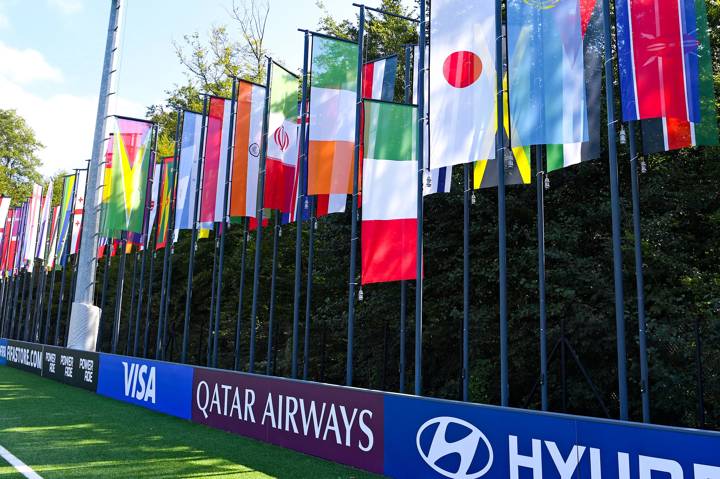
4 21
67 6
25 66
64 123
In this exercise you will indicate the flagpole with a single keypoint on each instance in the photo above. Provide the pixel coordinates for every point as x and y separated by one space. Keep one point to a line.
420 217
48 314
119 293
61 296
466 281
308 293
103 295
148 309
271 320
615 203
131 312
37 315
193 241
224 223
241 294
170 240
639 279
211 319
299 203
260 202
354 217
28 309
539 186
502 240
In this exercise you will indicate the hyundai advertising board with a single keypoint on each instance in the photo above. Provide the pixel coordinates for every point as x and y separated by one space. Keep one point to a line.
162 387
343 425
441 439
3 351
76 368
25 356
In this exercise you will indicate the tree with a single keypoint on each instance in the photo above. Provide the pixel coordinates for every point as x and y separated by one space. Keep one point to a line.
18 156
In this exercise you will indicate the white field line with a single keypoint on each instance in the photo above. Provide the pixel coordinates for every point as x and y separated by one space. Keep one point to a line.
20 466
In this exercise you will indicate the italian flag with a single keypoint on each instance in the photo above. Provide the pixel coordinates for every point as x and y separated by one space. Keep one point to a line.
332 116
389 199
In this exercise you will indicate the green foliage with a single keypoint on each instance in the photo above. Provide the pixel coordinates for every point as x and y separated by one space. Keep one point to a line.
19 162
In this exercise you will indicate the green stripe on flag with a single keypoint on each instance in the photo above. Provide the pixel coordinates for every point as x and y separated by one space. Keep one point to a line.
284 98
334 64
555 157
390 131
706 132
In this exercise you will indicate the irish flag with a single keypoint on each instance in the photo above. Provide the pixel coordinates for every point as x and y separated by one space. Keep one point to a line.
332 116
389 199
282 141
246 157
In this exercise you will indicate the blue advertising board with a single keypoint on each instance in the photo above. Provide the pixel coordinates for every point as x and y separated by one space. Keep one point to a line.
162 387
3 351
443 439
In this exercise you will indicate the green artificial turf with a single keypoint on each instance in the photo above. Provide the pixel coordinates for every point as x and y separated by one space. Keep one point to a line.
65 432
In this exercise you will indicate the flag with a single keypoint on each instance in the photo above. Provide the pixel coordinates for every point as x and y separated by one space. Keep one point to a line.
17 257
545 54
167 183
379 78
462 82
156 180
657 48
332 116
437 180
129 169
282 140
45 212
32 223
187 171
54 225
214 165
6 219
246 158
79 208
66 212
4 211
560 156
9 255
389 200
9 239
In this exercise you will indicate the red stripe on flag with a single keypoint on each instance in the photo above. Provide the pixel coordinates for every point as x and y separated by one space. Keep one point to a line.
679 134
279 178
367 87
388 250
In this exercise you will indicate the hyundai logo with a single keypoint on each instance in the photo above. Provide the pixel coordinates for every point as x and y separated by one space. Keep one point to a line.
460 458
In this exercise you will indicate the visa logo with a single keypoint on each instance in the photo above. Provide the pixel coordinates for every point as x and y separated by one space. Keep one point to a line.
139 381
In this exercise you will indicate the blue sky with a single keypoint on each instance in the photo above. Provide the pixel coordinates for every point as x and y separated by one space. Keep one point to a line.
51 57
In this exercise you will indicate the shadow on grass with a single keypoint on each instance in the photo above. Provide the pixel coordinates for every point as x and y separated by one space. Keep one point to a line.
64 432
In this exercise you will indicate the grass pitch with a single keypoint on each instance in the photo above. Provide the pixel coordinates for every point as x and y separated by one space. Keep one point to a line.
65 432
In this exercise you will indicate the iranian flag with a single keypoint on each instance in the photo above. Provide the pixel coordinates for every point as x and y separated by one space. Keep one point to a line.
282 140
389 199
246 158
332 116
214 165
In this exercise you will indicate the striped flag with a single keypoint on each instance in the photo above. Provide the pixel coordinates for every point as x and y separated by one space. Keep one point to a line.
332 116
657 55
66 211
282 140
187 171
32 223
45 219
462 82
437 180
379 78
214 166
79 202
389 200
167 182
246 158
9 237
54 230
156 180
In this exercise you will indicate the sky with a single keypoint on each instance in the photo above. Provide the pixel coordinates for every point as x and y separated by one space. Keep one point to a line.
51 54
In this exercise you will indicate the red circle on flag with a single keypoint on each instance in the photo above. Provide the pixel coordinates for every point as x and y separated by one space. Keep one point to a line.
462 69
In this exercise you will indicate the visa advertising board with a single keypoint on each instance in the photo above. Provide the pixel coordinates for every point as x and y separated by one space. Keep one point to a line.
344 425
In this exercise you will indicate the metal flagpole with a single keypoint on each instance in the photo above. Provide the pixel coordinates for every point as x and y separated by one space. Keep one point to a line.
37 314
48 314
170 242
308 293
615 203
61 296
131 312
119 293
420 177
639 280
28 308
103 295
299 205
354 218
502 240
151 279
193 242
539 186
241 294
222 227
403 283
260 202
271 320
211 319
466 282
140 294
18 318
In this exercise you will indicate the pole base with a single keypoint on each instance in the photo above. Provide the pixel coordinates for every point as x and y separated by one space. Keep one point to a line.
83 330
